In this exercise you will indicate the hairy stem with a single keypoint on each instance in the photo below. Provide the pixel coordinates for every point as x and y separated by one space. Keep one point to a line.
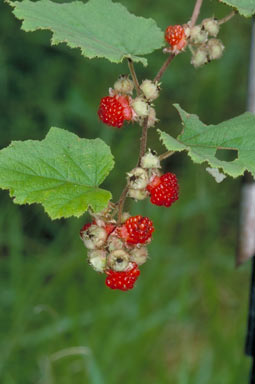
134 77
121 203
165 155
196 12
227 18
143 140
143 146
164 67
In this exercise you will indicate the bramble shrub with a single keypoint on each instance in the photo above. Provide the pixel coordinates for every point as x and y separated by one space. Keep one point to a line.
64 172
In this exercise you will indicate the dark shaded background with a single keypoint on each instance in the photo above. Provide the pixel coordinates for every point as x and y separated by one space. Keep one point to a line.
185 321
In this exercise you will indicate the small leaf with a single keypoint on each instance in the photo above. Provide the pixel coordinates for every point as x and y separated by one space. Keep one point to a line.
244 7
202 142
100 28
62 172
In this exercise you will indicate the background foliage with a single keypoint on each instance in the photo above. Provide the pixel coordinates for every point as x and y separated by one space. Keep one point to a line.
185 322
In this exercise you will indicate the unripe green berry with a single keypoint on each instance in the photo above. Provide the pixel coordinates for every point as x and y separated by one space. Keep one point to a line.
197 35
150 160
152 120
124 85
211 26
94 237
97 259
215 49
139 255
200 57
140 107
150 89
137 178
113 243
118 260
125 216
137 194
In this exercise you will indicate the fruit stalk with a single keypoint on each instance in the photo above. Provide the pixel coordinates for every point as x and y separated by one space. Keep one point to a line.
134 77
196 12
164 67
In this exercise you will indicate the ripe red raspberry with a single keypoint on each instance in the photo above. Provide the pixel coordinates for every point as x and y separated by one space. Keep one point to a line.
113 110
136 230
164 190
175 36
123 280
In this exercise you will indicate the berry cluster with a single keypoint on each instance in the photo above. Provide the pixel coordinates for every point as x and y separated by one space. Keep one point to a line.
147 180
118 250
119 106
201 40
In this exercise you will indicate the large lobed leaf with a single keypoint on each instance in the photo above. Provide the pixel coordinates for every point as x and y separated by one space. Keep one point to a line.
244 7
202 141
100 28
62 172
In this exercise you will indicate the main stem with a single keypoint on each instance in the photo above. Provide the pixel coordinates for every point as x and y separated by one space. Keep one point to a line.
143 140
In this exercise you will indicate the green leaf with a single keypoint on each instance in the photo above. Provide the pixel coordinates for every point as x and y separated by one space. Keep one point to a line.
202 141
244 7
100 28
62 172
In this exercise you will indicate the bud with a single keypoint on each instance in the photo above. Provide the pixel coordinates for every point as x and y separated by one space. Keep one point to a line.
187 30
94 237
197 35
140 107
150 89
211 26
150 160
137 194
97 259
118 260
137 178
124 85
215 49
114 243
200 57
139 255
125 216
152 120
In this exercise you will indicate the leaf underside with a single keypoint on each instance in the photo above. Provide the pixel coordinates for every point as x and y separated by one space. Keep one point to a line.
62 172
202 142
100 28
244 7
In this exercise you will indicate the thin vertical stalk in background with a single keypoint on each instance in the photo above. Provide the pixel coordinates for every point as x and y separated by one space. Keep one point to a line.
247 230
246 246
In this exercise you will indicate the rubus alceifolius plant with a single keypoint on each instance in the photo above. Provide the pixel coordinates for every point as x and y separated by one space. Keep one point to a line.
64 172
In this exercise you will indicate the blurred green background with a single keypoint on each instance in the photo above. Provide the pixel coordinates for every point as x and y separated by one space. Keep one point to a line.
185 322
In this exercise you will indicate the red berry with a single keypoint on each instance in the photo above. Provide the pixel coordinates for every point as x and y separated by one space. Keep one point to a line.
136 230
124 280
109 228
164 190
113 110
175 36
